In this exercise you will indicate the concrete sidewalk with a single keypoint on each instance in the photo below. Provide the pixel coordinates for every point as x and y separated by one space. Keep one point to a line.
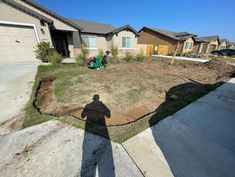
183 58
196 141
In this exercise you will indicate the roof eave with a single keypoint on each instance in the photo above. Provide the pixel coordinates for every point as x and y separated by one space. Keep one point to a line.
64 20
124 28
27 10
160 33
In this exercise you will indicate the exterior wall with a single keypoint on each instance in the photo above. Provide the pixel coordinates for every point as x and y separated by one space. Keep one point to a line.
104 42
8 13
232 46
222 46
197 47
180 49
117 42
70 44
57 23
149 37
203 48
101 44
143 48
213 45
187 50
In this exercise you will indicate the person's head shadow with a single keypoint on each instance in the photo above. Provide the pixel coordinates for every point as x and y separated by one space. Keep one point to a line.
96 111
97 151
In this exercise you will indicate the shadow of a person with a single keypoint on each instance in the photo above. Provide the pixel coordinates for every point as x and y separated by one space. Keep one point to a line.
170 137
97 153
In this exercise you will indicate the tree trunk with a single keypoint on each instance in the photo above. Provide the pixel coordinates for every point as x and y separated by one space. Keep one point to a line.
173 58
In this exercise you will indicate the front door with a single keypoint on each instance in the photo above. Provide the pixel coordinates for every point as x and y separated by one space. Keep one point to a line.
60 46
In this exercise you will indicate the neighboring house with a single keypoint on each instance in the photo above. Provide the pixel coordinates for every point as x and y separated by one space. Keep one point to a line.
213 43
200 45
24 23
231 45
224 44
98 36
166 42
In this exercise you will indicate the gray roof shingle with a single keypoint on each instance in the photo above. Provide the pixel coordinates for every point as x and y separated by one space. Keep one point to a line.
171 34
125 27
92 27
100 28
210 38
199 39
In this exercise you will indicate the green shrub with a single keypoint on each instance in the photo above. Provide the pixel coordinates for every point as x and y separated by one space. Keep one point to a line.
82 56
84 51
129 56
55 58
140 56
43 51
114 52
80 59
101 53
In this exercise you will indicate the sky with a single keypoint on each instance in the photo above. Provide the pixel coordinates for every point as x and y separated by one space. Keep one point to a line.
200 17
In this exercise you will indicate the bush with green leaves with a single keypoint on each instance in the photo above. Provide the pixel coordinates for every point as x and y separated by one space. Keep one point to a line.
101 53
84 51
80 59
114 52
140 56
55 58
82 56
44 51
129 56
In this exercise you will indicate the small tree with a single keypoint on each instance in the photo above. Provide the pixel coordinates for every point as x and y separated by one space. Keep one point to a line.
43 51
176 51
114 52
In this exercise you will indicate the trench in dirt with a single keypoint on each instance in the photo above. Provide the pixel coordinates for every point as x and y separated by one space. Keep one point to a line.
44 103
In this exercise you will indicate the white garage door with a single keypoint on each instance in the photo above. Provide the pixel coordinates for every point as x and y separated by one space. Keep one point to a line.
17 43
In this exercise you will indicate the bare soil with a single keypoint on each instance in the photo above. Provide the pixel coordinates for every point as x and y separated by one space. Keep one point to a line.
131 90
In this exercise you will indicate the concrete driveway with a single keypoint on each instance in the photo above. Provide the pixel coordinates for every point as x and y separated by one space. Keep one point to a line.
16 82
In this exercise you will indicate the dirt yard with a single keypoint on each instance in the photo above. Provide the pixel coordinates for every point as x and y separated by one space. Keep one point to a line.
129 90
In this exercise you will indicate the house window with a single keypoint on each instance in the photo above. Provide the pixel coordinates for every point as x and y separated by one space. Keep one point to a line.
126 42
188 45
89 41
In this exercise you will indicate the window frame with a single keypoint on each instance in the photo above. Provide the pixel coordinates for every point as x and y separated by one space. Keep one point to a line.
89 37
124 41
188 43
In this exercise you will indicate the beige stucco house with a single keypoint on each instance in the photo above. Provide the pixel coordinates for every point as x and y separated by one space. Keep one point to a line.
231 45
213 43
224 44
24 23
98 36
